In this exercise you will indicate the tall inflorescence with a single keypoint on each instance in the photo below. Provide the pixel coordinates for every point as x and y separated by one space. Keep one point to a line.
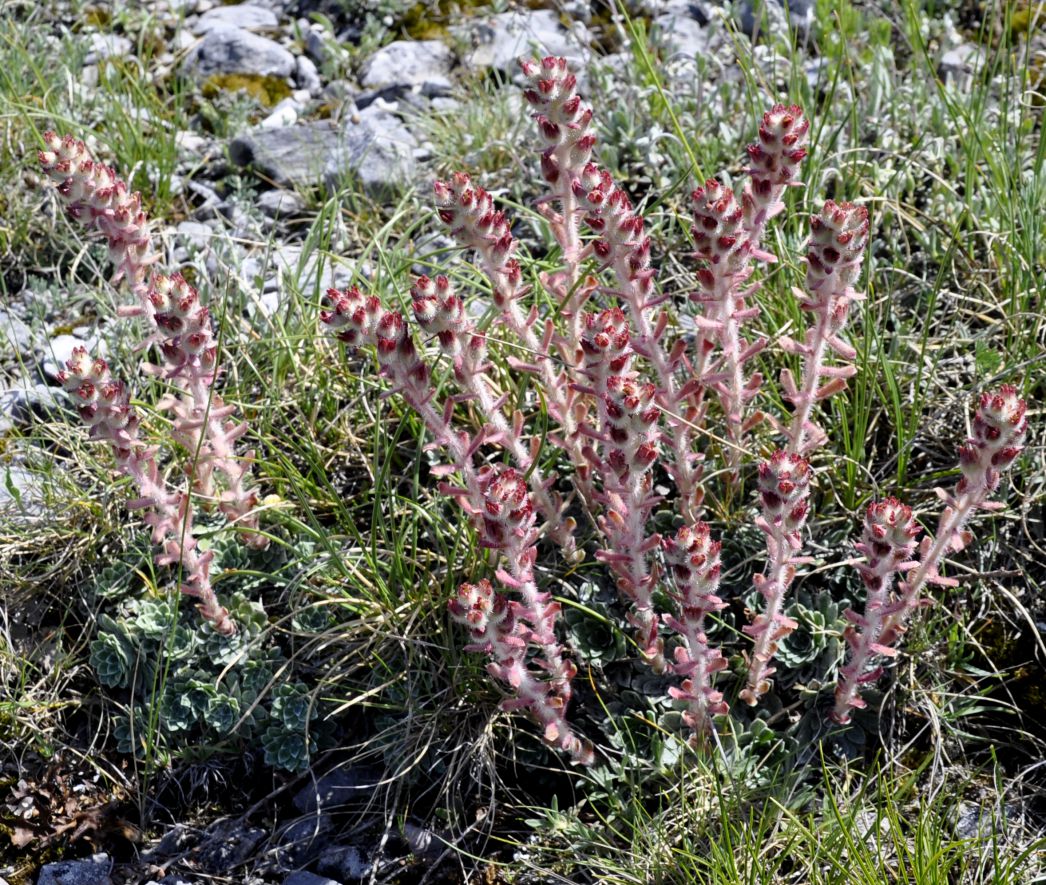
887 544
693 562
728 236
585 191
999 427
180 326
439 311
104 406
630 438
468 212
498 499
838 236
509 630
564 124
784 493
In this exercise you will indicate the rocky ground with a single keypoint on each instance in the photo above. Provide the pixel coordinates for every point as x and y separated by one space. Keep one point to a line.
326 109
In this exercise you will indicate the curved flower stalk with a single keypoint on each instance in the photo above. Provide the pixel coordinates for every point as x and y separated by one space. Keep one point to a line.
999 426
564 123
440 312
468 212
722 243
838 236
624 247
630 438
775 160
507 629
728 236
105 408
888 544
784 491
359 320
181 327
693 560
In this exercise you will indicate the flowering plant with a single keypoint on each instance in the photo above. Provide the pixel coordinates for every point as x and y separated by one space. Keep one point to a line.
629 396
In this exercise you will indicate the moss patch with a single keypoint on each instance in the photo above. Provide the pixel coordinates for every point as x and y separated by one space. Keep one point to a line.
264 89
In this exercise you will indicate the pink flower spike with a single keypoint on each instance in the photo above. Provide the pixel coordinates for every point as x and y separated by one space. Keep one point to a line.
784 490
888 544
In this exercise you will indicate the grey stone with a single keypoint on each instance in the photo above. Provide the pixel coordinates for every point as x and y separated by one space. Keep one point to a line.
194 234
273 270
798 14
302 840
315 45
245 15
377 148
681 34
22 499
16 338
60 351
20 403
307 76
288 154
498 42
346 861
93 871
235 51
373 144
423 842
106 46
958 65
176 840
306 878
406 64
227 844
283 114
342 786
280 203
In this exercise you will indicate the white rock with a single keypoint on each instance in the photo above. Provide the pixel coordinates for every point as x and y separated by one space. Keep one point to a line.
106 46
407 63
284 114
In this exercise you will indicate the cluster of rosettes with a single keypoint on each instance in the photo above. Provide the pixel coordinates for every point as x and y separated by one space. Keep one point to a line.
838 236
179 315
102 402
631 426
610 213
784 491
775 158
562 118
508 512
999 426
718 232
94 195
